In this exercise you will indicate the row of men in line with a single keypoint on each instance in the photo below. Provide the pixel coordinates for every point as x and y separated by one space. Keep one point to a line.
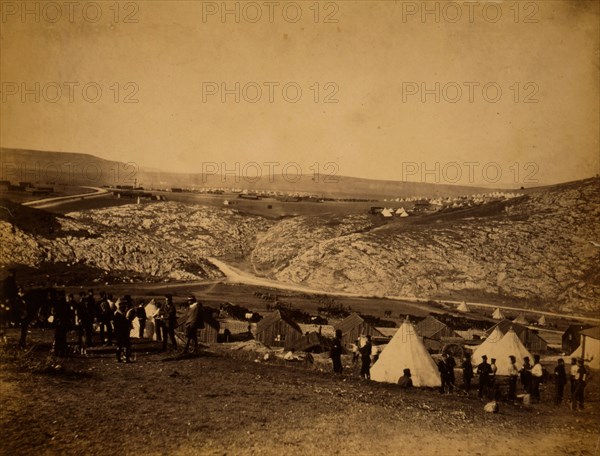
531 377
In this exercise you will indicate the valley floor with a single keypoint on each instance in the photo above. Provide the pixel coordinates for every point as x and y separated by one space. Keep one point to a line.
227 402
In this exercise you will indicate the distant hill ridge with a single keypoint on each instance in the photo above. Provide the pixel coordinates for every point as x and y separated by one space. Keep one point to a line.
85 169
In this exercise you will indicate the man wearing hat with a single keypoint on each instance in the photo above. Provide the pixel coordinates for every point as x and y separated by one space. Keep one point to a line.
122 329
169 322
484 370
193 322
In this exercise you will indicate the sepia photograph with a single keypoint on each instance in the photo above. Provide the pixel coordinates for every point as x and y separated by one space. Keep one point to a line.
310 227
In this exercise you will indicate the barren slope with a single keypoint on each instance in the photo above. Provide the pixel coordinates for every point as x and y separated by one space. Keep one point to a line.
542 248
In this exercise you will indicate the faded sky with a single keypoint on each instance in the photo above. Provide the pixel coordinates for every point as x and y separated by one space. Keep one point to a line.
374 56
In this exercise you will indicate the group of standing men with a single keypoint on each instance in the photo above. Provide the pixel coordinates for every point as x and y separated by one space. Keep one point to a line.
530 376
101 321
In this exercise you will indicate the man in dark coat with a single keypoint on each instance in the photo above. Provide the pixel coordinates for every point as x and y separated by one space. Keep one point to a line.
9 308
193 322
86 313
336 352
169 313
443 375
406 380
513 375
140 313
467 368
122 333
105 316
484 371
62 321
560 380
450 365
365 357
526 375
25 315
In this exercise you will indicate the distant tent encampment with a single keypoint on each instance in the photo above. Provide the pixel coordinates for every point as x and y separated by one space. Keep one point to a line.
401 212
386 213
406 350
520 319
498 315
463 307
500 347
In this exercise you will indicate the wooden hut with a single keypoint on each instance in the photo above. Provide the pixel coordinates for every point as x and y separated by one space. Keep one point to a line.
210 332
354 326
277 330
435 334
571 337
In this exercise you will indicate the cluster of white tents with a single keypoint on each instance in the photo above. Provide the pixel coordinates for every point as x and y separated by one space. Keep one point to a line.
499 315
390 212
406 350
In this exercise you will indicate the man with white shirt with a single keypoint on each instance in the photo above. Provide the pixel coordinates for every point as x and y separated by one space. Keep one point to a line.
579 385
573 378
537 373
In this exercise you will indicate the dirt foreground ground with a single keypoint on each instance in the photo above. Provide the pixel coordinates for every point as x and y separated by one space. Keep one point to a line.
233 402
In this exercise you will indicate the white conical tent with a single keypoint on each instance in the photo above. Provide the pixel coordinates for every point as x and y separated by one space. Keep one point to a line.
406 350
542 321
521 320
498 315
463 307
500 347
591 339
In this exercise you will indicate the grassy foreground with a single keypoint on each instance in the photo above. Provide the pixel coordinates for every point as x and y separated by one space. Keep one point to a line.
227 402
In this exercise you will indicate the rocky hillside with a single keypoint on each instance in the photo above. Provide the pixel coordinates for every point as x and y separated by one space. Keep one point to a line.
542 249
154 241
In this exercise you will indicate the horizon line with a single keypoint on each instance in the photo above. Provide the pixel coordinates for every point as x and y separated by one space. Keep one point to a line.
474 185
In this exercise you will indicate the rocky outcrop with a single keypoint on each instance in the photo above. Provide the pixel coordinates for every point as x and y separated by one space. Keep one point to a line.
154 241
543 249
